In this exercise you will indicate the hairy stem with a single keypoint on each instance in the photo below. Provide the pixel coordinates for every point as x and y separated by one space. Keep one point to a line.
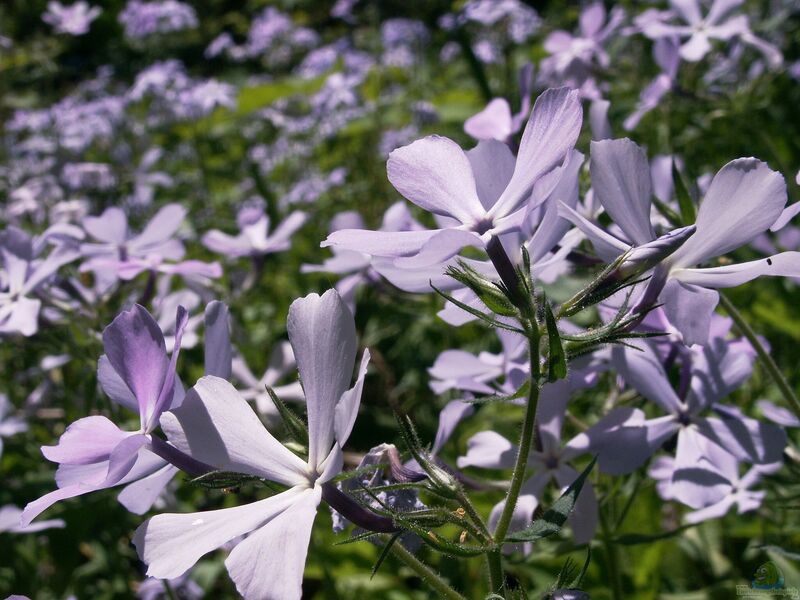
425 572
526 437
494 562
766 359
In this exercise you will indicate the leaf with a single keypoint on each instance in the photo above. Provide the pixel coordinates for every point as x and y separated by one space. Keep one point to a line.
521 392
384 553
556 357
294 424
554 518
476 313
685 202
219 480
668 213
632 539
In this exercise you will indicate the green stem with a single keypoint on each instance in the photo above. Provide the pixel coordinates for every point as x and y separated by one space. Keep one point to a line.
766 359
494 562
611 557
526 438
425 572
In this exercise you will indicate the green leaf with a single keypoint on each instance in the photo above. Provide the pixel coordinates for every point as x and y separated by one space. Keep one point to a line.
668 213
476 313
556 357
220 480
632 539
554 518
294 425
521 392
385 552
685 202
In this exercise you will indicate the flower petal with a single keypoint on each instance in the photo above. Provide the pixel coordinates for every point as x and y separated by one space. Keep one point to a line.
435 174
171 543
621 182
785 264
323 337
135 348
215 425
551 132
347 409
258 570
744 199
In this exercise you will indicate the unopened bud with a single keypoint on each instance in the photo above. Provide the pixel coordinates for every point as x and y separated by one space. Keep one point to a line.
643 258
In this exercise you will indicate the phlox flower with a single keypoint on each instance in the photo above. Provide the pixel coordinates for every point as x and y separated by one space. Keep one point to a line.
24 274
713 485
73 19
9 424
708 374
572 56
743 200
120 253
437 175
217 426
698 29
255 238
93 453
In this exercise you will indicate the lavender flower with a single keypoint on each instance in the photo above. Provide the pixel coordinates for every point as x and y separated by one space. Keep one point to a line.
93 453
255 238
118 253
24 274
743 200
73 19
322 334
143 19
719 23
436 175
9 424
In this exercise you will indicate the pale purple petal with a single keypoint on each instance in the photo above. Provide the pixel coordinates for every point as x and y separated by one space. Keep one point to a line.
621 182
744 199
785 264
435 174
488 450
215 425
258 570
689 309
218 350
110 227
493 123
551 132
171 543
135 348
347 408
380 243
323 337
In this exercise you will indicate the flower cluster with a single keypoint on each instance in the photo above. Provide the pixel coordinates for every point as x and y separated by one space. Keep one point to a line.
538 321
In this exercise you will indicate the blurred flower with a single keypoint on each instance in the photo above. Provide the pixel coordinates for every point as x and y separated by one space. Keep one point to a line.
718 24
255 238
143 19
9 521
73 19
9 424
